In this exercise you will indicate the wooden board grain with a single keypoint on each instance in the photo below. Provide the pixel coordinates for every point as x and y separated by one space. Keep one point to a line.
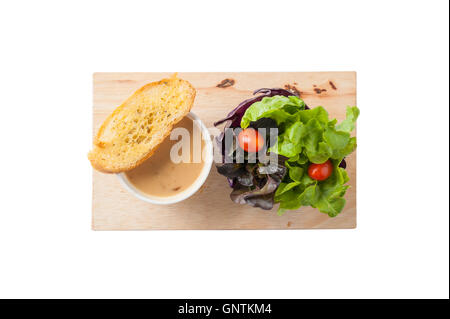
113 208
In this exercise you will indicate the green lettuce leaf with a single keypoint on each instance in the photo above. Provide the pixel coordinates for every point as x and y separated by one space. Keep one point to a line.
340 142
279 108
348 124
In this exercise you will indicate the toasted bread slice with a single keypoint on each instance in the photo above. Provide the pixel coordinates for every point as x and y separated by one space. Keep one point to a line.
135 129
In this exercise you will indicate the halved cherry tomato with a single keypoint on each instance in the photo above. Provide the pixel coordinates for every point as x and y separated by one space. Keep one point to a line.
320 172
250 140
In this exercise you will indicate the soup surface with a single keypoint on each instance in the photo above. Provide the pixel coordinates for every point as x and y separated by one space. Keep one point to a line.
160 176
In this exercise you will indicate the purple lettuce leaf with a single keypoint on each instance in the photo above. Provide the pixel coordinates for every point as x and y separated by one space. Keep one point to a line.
254 184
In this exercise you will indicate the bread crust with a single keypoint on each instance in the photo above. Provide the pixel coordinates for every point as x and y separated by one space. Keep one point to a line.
93 154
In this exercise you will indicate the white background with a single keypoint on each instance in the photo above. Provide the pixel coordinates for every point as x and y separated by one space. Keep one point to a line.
48 52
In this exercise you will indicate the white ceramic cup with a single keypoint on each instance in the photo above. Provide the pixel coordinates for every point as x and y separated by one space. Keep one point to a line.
208 159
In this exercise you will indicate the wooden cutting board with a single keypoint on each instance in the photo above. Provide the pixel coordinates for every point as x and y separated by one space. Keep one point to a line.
113 208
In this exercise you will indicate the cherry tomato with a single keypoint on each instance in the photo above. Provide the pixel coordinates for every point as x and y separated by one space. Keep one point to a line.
320 172
250 140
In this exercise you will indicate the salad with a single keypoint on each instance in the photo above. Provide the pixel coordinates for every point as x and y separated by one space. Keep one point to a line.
309 151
